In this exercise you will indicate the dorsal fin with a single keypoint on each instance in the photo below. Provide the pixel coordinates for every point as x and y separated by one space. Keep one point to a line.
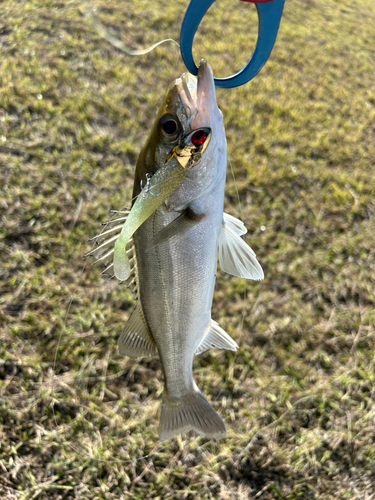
104 249
135 340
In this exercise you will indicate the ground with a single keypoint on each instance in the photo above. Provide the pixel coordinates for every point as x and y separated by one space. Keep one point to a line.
78 420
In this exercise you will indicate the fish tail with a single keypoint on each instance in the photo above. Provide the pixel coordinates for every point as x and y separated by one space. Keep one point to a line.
193 412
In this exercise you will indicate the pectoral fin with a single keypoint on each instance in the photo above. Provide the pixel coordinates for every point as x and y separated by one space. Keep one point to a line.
216 337
235 256
234 224
136 340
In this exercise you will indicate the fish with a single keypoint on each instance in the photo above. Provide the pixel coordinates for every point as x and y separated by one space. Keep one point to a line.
168 245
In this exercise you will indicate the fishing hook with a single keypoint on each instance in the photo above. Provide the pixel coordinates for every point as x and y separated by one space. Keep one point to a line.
148 186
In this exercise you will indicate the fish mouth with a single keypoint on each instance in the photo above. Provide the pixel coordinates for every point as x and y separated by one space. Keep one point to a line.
206 94
199 92
206 82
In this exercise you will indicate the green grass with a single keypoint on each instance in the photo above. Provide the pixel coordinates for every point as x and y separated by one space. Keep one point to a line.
299 395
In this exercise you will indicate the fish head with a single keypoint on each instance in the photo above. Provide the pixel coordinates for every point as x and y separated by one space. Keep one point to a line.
189 115
189 131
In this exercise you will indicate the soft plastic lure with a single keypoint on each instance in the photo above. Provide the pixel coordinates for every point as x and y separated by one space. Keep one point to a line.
167 180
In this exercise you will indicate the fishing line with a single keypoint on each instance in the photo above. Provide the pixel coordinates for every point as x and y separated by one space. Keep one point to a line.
245 281
71 446
88 12
243 315
155 450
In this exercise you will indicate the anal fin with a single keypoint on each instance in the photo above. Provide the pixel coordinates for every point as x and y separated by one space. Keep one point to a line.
136 340
216 337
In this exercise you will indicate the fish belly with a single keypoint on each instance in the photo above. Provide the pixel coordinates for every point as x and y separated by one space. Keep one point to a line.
176 285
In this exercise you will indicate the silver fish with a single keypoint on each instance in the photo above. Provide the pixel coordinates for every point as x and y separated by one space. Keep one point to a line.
171 252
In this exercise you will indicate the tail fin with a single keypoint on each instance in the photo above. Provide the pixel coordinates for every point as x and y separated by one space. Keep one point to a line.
193 412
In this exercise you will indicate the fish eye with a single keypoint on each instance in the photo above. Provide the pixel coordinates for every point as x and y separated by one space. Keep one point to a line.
169 127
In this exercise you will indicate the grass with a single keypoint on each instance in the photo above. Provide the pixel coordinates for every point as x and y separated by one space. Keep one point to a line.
80 421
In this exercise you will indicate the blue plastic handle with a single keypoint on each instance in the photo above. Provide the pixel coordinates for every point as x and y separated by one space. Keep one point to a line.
269 15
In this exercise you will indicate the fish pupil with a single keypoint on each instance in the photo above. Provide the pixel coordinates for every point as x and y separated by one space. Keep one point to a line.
170 127
198 138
